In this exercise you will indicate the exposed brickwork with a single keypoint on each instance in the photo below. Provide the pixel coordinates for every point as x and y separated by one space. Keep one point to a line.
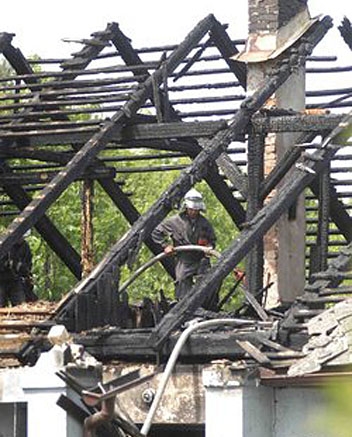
290 8
270 15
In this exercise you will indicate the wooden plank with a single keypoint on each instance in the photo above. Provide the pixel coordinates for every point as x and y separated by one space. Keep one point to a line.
228 49
134 344
255 305
274 345
328 291
45 176
254 352
295 123
337 210
137 132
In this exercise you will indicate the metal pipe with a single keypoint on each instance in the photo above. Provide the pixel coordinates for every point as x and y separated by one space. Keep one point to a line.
173 357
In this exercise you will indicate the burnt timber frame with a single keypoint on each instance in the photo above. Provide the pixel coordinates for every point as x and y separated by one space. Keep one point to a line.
213 179
207 156
89 151
120 252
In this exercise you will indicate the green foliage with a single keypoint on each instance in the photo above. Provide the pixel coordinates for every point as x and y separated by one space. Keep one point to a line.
337 420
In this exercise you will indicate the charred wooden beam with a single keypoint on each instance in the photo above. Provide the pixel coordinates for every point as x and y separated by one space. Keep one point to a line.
36 154
5 40
345 29
73 102
134 344
87 230
323 217
228 49
13 55
237 178
172 130
337 210
22 178
42 135
255 259
50 87
64 157
295 123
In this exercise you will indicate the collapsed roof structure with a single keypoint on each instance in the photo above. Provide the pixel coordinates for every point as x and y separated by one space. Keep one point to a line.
177 101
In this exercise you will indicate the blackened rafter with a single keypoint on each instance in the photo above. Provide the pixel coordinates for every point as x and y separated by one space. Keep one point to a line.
60 133
228 49
345 29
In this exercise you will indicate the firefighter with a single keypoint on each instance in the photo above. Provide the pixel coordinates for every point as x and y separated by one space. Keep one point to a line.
187 227
15 275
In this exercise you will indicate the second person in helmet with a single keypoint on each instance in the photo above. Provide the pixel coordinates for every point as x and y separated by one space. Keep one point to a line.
187 227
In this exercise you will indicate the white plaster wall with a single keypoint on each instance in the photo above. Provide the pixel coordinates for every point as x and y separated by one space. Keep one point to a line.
40 388
224 412
44 416
298 413
243 409
238 412
258 411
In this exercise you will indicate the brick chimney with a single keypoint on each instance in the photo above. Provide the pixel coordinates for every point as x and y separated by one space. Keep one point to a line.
272 15
274 25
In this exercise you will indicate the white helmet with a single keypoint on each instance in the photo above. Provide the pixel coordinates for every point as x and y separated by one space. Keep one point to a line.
194 200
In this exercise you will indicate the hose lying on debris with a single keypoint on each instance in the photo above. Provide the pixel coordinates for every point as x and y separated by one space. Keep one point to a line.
194 326
187 248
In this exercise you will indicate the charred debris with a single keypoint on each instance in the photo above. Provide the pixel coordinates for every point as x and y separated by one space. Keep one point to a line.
195 96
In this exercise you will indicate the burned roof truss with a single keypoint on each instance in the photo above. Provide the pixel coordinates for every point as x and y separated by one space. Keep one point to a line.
38 110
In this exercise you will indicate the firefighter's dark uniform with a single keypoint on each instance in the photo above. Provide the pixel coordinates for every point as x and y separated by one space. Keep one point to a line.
181 230
15 268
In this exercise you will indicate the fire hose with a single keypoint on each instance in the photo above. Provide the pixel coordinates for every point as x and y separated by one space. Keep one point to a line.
208 251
